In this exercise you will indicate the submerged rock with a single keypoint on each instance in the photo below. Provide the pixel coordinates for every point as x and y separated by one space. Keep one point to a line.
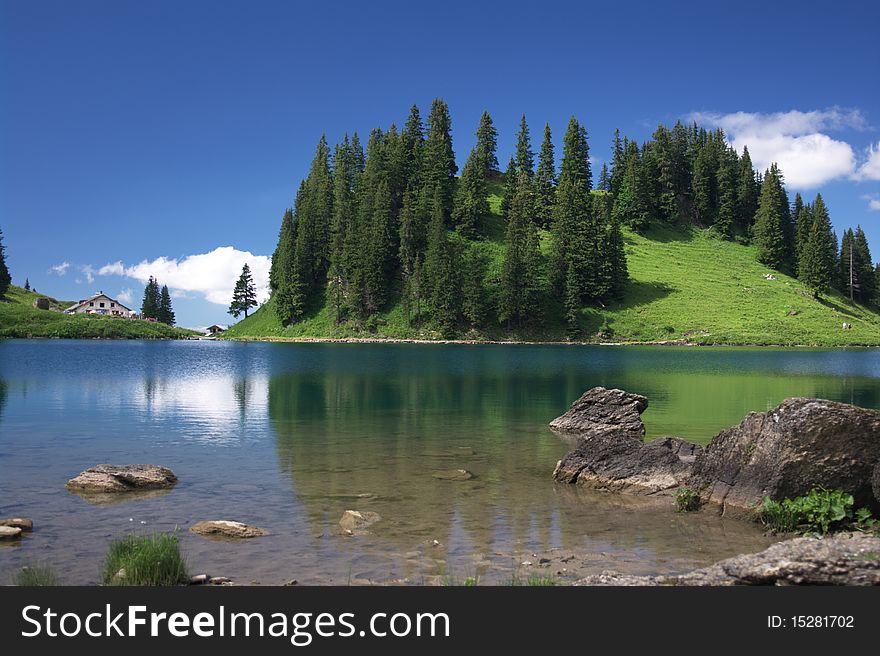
453 475
843 559
357 521
602 411
785 452
122 478
18 522
227 529
9 532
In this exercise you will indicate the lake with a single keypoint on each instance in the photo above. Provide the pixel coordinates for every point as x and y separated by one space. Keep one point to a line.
289 436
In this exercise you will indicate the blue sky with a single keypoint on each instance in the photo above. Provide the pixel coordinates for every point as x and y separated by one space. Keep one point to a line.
168 137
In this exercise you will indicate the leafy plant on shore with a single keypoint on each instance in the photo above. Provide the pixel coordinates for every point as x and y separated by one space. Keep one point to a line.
145 560
686 500
820 511
36 576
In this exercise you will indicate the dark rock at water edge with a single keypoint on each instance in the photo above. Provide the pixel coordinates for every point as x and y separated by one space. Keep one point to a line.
785 452
842 559
602 410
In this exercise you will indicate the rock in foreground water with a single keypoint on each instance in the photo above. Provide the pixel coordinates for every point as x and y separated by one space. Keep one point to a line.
9 532
23 523
122 478
602 410
357 521
453 475
227 529
843 559
785 452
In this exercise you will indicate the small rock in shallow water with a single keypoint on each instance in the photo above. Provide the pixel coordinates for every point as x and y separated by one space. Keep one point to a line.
453 475
358 520
122 478
9 532
199 579
18 522
227 529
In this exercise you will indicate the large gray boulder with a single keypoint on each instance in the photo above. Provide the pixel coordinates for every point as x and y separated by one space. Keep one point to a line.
122 478
611 453
604 411
843 559
622 463
801 444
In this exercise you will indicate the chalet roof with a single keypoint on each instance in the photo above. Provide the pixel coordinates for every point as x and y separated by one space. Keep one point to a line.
92 298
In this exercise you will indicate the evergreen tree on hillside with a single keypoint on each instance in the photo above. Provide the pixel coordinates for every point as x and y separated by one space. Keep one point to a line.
439 159
666 190
281 278
244 296
847 281
413 138
381 250
728 167
509 191
5 278
863 263
525 158
618 164
344 210
705 184
818 265
487 144
801 214
770 235
747 190
472 195
518 296
604 178
615 260
152 300
27 285
631 206
166 312
545 182
574 235
442 269
474 292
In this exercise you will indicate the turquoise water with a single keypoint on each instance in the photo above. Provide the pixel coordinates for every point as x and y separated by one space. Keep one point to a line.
287 436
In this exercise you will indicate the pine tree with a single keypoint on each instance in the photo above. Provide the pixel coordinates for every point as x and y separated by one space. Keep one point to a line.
545 182
604 178
574 234
442 281
705 185
864 266
631 207
381 253
281 282
819 258
474 293
525 158
728 166
746 194
666 190
5 278
472 195
510 182
439 159
618 164
487 144
803 222
771 239
27 285
152 300
615 257
847 276
518 295
244 296
166 313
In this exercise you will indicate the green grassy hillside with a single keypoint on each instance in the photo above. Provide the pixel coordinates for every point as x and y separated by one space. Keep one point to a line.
685 286
18 318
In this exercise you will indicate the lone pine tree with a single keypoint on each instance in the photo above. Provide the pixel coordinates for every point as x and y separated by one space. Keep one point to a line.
244 296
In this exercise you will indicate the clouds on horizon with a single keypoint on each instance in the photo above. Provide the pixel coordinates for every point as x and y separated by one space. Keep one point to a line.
213 274
60 269
798 142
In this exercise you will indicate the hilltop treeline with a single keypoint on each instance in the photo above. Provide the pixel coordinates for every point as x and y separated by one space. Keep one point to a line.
395 221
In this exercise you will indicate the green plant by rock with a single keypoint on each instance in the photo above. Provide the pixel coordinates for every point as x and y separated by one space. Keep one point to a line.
820 511
145 560
686 500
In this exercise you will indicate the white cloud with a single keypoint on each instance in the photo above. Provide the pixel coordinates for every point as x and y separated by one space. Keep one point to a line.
112 269
870 169
88 272
873 202
211 274
126 296
795 140
60 269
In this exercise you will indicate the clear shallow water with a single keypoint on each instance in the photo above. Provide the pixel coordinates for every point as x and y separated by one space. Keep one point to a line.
285 436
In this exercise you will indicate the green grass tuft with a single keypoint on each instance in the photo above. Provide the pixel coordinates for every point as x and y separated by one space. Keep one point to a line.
145 560
37 576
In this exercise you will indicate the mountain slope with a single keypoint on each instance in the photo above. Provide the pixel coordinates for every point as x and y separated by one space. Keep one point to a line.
685 285
18 318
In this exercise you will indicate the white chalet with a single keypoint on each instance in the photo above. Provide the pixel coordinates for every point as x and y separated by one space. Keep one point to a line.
100 303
